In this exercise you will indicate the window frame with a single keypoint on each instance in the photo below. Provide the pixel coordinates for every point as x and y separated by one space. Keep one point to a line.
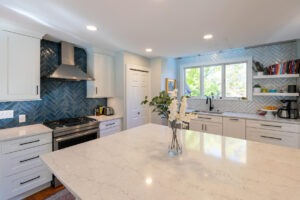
246 60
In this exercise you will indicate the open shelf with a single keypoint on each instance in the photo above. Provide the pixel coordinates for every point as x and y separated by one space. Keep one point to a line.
277 76
276 94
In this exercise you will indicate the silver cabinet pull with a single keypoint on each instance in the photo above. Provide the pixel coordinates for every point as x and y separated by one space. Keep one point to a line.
21 161
204 118
30 180
267 125
205 127
268 137
202 128
234 119
37 90
96 90
110 124
29 142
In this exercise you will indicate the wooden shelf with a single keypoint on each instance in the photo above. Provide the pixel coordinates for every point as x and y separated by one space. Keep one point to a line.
276 94
277 76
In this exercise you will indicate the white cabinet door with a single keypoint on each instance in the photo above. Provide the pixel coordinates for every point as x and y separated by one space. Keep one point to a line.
214 128
234 127
197 125
20 67
101 68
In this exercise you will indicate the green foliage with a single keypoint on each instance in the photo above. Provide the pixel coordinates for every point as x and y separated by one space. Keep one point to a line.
236 80
213 81
257 86
160 104
192 78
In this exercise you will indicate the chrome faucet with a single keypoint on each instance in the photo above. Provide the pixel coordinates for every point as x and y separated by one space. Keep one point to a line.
208 100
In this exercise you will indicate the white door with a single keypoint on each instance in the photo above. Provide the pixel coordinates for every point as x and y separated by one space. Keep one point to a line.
137 89
197 125
213 128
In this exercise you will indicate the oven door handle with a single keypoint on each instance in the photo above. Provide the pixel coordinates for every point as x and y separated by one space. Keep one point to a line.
61 139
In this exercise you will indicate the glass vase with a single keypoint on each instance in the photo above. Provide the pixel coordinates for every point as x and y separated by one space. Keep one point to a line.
175 148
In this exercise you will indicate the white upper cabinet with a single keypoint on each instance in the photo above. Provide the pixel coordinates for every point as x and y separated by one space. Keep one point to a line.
101 68
19 67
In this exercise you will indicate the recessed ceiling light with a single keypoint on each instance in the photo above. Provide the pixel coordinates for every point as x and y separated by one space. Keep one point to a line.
208 36
91 28
148 50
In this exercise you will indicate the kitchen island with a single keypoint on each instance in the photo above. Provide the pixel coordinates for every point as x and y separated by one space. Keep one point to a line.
135 164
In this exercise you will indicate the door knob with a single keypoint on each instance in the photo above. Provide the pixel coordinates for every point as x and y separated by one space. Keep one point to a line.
139 113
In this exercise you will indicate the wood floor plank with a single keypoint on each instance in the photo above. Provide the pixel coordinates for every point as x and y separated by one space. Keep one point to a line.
45 193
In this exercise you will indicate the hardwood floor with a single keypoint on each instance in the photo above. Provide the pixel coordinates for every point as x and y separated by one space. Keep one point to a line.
44 193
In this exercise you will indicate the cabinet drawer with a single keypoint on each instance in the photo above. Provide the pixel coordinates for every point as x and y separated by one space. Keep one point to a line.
17 184
273 126
273 137
109 124
25 143
110 131
19 161
209 118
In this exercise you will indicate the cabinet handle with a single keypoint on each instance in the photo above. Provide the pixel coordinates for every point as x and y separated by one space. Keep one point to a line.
96 90
29 142
37 90
21 161
267 125
204 118
110 124
234 119
268 137
202 128
30 180
205 127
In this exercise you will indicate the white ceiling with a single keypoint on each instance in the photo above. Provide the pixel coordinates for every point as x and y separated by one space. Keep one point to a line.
172 28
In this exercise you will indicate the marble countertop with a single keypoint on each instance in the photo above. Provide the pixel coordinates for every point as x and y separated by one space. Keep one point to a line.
135 164
250 116
23 131
103 118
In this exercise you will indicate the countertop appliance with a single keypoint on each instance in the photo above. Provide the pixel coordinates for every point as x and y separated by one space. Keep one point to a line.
294 112
108 111
283 112
72 131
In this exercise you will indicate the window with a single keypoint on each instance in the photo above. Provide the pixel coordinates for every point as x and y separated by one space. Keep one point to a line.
218 81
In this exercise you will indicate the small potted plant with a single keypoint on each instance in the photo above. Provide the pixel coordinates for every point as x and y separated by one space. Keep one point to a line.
258 68
257 88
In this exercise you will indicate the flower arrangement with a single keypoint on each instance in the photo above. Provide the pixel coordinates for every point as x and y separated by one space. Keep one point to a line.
175 111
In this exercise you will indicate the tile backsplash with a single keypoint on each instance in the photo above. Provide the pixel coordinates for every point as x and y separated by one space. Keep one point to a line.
59 98
267 55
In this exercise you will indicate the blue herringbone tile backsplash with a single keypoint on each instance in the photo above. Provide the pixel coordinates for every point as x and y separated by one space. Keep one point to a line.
60 98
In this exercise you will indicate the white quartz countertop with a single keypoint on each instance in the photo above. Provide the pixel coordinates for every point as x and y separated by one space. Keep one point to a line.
250 116
135 164
103 118
23 131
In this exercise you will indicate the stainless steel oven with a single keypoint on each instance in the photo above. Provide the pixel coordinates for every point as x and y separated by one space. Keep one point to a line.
73 131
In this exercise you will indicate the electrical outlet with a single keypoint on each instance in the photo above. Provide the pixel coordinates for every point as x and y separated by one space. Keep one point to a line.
6 114
22 118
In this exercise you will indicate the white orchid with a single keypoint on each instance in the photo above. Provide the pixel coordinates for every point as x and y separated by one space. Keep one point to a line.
173 108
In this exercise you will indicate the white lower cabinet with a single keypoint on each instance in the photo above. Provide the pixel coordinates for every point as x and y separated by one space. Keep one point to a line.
21 168
110 127
282 134
207 124
234 127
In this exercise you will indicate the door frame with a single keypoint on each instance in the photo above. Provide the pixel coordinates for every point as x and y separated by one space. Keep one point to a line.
137 67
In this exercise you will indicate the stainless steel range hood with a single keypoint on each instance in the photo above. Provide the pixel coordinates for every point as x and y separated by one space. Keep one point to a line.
67 70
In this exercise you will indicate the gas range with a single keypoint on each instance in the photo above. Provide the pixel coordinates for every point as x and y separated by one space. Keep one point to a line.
72 131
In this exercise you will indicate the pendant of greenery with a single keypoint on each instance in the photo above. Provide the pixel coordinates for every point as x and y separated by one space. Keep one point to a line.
160 104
